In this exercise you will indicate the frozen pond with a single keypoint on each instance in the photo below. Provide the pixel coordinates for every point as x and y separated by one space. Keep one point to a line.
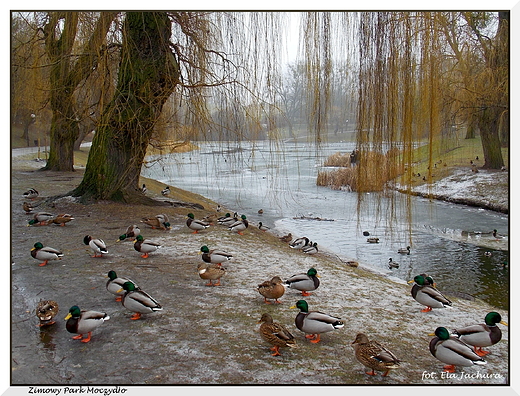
447 241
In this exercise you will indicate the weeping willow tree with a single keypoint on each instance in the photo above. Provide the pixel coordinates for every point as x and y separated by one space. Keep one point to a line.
194 59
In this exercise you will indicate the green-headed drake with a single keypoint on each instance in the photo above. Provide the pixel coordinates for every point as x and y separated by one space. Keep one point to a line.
45 253
145 246
214 256
305 282
452 351
138 301
240 225
426 294
84 322
314 323
482 335
196 225
115 284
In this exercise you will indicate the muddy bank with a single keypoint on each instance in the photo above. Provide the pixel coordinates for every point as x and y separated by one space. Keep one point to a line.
207 335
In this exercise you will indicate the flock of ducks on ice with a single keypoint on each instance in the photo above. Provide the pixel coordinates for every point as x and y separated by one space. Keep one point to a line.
460 347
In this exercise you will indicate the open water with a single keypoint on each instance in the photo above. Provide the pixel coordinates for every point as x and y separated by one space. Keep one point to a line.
452 243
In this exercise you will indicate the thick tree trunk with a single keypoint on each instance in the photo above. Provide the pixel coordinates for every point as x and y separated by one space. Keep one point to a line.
488 125
65 75
147 76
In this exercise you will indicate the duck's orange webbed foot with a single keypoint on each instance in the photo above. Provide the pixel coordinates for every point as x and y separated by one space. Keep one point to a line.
209 284
78 337
449 368
479 351
88 338
370 372
119 299
276 350
427 309
144 255
136 316
316 340
305 293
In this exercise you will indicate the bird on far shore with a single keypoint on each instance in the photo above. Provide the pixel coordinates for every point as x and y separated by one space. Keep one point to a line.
166 191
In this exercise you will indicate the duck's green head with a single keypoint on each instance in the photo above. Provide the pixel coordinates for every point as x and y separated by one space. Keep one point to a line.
74 311
122 237
112 275
87 239
128 286
312 272
204 249
493 318
302 306
442 333
32 222
139 238
228 215
37 245
243 217
420 280
191 216
167 224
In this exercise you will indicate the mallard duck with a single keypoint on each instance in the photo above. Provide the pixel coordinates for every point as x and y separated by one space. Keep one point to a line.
138 301
160 221
496 235
272 289
305 282
143 189
98 246
425 293
373 355
239 225
263 227
210 218
392 264
299 243
81 322
46 311
227 220
373 240
44 254
276 334
115 283
482 335
260 211
211 272
31 194
286 238
131 233
488 254
452 351
41 218
196 225
27 207
366 233
405 250
312 249
314 322
61 219
214 256
145 246
166 191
